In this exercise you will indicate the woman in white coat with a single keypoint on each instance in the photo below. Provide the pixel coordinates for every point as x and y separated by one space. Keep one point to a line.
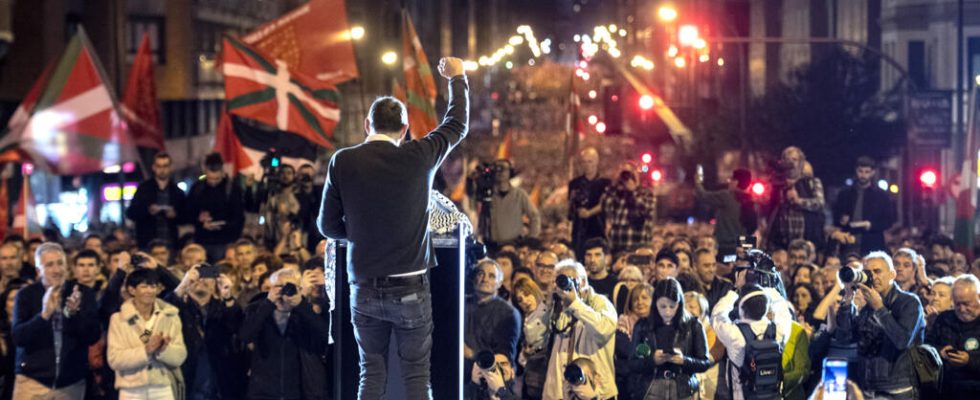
145 344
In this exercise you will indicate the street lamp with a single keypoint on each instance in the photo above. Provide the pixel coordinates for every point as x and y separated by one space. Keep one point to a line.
357 32
389 57
667 13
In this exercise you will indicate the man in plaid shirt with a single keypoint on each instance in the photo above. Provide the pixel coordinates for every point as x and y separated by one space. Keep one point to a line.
630 211
799 214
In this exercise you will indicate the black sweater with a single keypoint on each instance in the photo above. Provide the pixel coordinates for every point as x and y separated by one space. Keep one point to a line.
377 195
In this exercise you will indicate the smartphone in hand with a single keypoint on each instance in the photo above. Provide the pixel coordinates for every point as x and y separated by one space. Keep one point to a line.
835 378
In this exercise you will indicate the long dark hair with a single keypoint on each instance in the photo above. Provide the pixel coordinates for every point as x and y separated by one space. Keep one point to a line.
669 289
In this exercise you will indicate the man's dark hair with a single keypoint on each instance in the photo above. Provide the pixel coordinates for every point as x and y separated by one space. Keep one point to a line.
90 236
668 254
213 162
756 307
243 242
289 259
515 260
596 242
88 253
162 155
387 115
157 243
865 161
14 238
142 275
742 177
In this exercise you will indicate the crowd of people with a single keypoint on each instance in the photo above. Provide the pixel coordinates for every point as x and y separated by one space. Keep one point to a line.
750 306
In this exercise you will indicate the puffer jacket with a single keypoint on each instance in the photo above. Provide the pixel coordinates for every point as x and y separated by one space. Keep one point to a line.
127 353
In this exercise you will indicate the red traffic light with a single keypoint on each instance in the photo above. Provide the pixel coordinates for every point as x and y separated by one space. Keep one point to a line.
646 158
758 189
929 178
646 102
657 175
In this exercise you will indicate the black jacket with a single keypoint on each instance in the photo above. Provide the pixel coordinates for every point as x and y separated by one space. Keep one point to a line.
34 337
224 203
948 330
139 211
284 366
883 339
219 325
689 337
877 208
375 183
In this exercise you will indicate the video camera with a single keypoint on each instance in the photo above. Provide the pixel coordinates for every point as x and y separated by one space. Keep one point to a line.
779 172
761 270
486 178
271 163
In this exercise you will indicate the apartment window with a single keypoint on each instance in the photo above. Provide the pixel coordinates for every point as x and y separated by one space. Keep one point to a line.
917 63
154 27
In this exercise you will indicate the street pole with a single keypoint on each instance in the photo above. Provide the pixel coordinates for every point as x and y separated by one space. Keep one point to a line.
958 130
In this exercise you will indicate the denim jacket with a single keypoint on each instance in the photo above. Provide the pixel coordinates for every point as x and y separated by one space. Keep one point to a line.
884 338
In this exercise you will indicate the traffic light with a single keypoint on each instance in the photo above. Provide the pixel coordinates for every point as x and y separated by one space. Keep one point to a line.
929 178
646 158
612 110
759 189
657 176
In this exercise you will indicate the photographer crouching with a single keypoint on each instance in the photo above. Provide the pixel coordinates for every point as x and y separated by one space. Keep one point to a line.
890 323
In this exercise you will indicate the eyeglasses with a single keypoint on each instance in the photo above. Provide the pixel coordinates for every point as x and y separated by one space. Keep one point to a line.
546 266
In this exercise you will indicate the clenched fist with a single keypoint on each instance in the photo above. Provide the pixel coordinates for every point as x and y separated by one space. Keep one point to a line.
450 67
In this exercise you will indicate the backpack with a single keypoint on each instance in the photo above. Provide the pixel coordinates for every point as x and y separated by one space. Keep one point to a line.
761 372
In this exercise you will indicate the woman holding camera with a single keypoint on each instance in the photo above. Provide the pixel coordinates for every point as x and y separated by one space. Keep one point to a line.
669 348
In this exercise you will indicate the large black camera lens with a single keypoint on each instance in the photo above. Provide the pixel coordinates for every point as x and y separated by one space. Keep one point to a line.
564 283
851 275
574 374
289 290
485 359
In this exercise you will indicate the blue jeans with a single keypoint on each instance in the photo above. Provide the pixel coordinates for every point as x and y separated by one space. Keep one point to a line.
378 310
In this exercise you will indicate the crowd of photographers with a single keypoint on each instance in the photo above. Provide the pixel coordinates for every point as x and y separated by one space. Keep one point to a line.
629 307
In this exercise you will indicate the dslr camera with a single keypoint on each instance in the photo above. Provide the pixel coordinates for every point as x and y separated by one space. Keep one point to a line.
565 283
574 374
848 275
486 360
289 290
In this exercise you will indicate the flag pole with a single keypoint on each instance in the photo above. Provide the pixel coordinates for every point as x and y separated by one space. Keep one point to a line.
25 185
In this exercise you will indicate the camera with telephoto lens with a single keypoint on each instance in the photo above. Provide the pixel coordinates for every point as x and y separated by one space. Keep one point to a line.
485 360
574 374
565 283
851 275
137 260
289 290
270 164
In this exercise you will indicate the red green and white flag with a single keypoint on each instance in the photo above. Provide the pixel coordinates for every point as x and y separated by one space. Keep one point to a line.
272 93
70 122
419 84
965 188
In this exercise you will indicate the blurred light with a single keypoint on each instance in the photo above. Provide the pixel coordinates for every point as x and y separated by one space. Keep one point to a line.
687 35
111 191
516 40
613 28
600 127
893 188
646 102
27 169
546 46
849 182
593 94
615 53
671 51
721 62
583 64
679 62
929 178
509 65
667 13
614 98
657 175
645 168
593 119
759 189
622 33
639 61
646 158
585 76
704 58
389 57
530 62
509 49
699 44
577 38
182 186
357 32
977 79
470 65
883 184
112 169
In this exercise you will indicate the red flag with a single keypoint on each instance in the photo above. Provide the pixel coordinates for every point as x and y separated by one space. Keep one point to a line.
397 91
227 144
139 105
314 38
269 91
420 87
503 150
